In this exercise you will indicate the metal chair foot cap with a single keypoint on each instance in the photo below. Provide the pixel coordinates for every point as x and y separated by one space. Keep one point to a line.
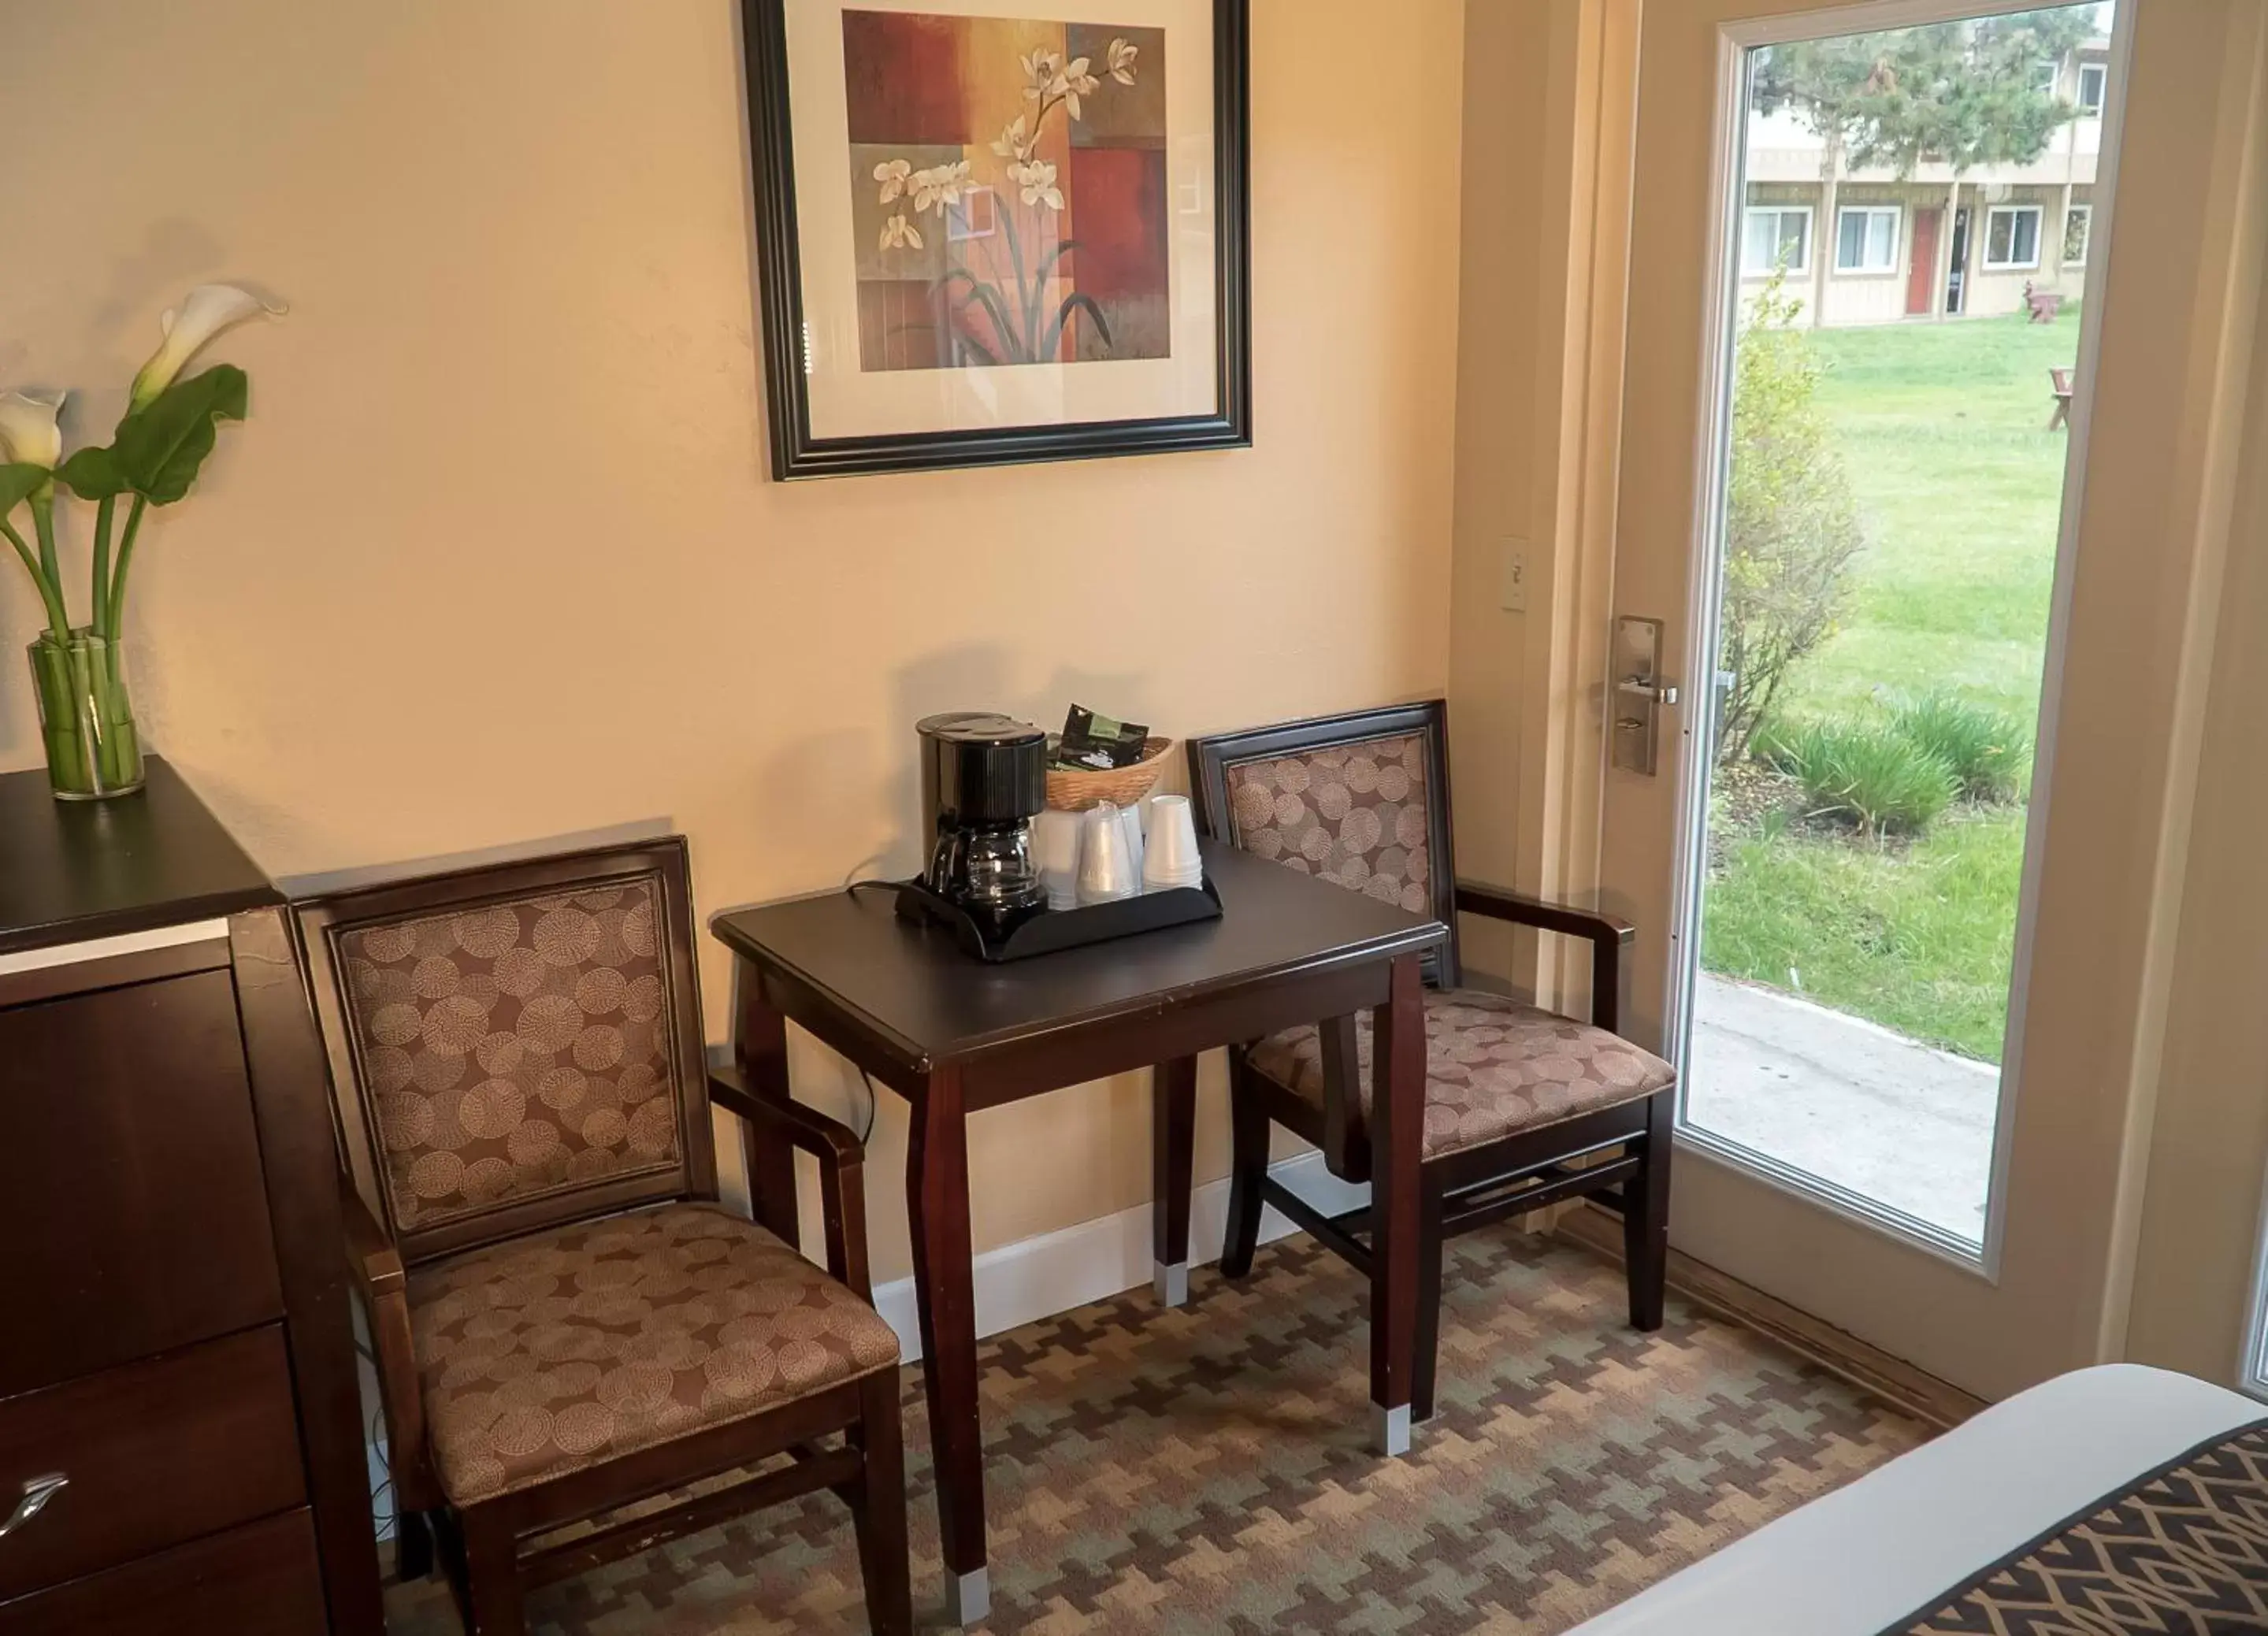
1389 1430
968 1597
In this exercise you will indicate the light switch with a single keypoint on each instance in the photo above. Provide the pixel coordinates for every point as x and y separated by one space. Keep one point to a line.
1514 563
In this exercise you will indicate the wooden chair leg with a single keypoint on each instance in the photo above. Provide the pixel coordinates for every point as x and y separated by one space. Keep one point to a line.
413 1546
1645 1217
1428 1303
878 1509
1248 1169
492 1575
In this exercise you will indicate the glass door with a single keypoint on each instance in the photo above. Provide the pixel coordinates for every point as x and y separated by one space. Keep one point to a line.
1893 488
1865 292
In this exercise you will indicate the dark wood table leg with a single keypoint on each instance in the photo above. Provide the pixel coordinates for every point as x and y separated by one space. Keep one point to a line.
760 1046
1173 1116
937 1201
1397 1148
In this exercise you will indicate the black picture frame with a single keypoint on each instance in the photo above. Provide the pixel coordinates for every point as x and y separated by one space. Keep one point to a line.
797 454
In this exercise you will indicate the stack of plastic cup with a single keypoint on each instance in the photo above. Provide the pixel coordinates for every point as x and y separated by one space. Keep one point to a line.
1129 821
1171 858
1055 843
1106 868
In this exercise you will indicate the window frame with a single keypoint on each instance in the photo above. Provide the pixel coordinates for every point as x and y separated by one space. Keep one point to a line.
1749 213
2102 73
2252 1367
2083 207
2039 228
1889 269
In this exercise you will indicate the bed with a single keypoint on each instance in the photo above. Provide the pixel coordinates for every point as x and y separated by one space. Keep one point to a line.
1968 1532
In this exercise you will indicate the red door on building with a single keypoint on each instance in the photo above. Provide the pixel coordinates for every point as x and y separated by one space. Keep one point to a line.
1921 267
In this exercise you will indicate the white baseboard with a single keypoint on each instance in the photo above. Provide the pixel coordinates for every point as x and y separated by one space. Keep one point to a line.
1037 1278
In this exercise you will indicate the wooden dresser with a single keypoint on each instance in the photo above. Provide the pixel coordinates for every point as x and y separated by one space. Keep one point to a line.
175 1343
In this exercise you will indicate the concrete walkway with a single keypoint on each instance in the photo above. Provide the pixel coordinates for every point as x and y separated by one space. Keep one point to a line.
1846 1101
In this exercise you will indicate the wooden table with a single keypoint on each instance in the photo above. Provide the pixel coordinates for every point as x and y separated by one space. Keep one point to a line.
953 1037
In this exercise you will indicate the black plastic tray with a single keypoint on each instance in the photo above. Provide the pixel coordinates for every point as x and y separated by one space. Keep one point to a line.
1051 930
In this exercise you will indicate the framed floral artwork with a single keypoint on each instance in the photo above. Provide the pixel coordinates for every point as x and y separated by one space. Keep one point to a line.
986 239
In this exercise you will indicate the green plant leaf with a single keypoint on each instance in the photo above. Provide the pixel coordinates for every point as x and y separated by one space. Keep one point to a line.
990 299
161 446
1075 301
93 475
17 483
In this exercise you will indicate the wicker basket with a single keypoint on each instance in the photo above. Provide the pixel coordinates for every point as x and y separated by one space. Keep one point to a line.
1121 786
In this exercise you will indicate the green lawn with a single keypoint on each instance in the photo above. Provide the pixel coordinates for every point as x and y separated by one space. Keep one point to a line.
1943 428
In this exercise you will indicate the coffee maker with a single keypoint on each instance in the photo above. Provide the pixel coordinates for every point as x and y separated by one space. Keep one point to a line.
984 778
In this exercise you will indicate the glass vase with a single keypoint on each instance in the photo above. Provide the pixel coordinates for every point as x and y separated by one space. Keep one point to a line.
85 718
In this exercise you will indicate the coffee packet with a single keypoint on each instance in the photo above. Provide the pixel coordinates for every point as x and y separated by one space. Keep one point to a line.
1092 743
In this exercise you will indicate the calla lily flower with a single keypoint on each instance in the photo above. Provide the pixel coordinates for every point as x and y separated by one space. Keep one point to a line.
28 433
206 311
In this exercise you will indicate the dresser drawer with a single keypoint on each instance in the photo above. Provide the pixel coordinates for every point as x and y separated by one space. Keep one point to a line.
156 1453
259 1580
136 1203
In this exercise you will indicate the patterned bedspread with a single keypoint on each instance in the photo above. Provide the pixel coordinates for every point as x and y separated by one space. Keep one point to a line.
2184 1549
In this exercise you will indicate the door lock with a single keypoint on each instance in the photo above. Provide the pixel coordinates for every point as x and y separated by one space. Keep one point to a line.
1640 695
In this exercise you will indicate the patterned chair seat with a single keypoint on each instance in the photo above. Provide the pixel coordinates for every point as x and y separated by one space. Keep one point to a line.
1494 1068
549 1353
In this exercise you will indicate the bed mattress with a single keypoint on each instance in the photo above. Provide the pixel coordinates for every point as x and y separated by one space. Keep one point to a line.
1893 1553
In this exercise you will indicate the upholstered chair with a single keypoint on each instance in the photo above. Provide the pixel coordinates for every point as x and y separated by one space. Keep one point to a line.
567 1322
1523 1108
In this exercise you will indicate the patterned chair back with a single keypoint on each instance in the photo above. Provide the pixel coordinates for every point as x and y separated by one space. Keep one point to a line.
1359 800
516 1047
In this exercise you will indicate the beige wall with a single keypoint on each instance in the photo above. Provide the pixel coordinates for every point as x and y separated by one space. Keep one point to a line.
2201 1213
1505 113
2202 1210
496 558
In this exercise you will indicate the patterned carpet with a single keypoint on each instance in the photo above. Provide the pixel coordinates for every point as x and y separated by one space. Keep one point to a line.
1204 1470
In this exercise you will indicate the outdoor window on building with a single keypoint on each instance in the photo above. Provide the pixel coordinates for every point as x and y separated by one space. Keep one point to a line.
1777 236
2012 236
2045 75
2076 223
2093 79
1867 238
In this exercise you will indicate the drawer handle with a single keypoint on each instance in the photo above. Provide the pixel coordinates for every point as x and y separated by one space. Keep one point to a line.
37 1491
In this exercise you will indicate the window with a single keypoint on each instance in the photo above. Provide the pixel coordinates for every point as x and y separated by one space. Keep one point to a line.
2012 236
1867 238
1777 236
2255 1376
2093 77
2077 223
2047 76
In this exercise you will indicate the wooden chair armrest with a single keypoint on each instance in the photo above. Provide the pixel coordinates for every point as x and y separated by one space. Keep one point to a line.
1475 898
376 1267
371 1256
830 1141
842 1167
1608 936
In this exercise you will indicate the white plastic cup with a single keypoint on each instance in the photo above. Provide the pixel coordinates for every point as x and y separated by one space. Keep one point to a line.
1129 824
1055 845
1172 859
1106 872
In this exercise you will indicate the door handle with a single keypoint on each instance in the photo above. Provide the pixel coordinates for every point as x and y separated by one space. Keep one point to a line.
1641 694
37 1491
1639 687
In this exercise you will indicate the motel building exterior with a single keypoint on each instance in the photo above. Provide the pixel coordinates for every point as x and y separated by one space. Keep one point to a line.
1869 246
